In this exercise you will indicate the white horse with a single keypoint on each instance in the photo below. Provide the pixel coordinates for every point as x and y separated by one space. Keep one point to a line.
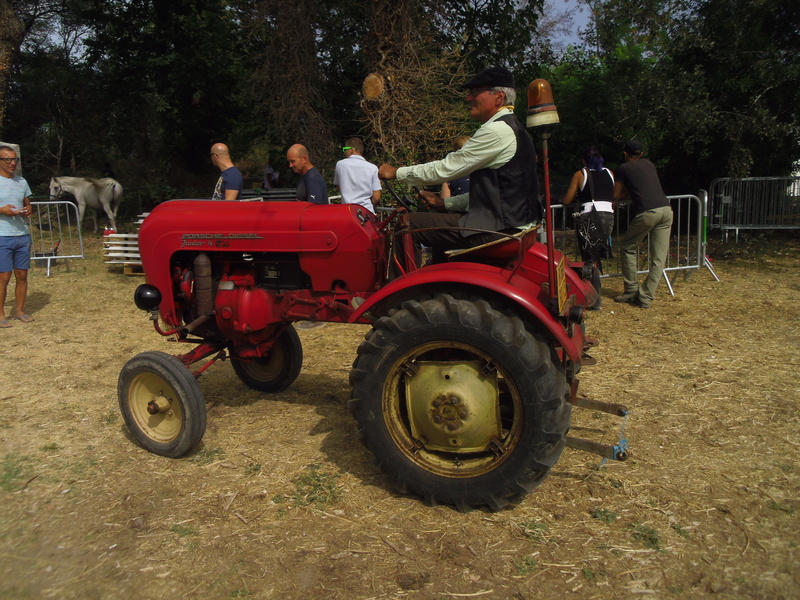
94 193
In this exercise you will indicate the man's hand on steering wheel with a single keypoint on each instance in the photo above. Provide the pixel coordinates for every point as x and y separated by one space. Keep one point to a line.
432 201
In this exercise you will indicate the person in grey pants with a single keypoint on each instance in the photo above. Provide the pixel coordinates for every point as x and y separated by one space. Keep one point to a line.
637 179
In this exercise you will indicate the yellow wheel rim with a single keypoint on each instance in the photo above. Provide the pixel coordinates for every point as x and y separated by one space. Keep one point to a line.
164 426
458 465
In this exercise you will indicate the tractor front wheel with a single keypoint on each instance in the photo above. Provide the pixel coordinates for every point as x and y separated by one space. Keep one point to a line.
162 404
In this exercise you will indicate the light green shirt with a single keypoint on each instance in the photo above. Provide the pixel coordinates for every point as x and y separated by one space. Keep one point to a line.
492 146
458 203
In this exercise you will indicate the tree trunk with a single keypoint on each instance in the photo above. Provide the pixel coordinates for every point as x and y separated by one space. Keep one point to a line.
11 33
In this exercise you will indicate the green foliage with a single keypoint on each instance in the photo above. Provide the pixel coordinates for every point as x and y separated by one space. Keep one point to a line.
535 530
647 536
316 487
110 418
604 515
252 469
173 64
313 486
741 59
183 530
12 472
207 455
492 32
591 575
709 86
525 565
706 85
788 509
682 531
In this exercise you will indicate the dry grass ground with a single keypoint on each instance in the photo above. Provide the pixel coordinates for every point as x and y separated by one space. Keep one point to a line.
282 501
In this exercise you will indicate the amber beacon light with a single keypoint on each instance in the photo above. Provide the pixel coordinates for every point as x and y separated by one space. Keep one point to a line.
541 108
542 116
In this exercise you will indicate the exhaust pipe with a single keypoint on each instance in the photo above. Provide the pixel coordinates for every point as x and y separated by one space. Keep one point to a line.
203 286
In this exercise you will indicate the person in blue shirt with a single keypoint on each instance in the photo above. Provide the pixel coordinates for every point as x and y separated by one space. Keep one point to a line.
230 183
312 186
15 239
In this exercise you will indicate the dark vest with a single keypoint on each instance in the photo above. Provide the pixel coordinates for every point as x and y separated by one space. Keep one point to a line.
603 187
506 197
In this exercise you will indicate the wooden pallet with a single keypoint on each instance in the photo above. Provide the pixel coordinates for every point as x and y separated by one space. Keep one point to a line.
133 270
122 249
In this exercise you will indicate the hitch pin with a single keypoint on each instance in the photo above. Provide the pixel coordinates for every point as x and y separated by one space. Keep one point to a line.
618 452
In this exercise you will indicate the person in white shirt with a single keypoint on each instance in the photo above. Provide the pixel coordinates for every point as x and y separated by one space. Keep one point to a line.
355 178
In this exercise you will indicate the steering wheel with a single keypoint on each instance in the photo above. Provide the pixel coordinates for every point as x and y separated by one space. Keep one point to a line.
404 200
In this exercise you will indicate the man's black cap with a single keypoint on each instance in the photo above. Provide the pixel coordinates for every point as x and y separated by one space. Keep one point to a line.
492 77
633 148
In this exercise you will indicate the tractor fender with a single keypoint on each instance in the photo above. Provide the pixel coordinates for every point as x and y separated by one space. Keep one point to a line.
524 293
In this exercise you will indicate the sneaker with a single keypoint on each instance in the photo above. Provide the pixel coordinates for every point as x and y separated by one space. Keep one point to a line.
627 296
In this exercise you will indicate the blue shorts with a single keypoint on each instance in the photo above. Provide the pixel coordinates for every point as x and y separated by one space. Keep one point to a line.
15 252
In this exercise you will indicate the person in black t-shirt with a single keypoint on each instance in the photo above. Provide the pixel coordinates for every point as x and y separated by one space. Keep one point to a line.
638 180
312 186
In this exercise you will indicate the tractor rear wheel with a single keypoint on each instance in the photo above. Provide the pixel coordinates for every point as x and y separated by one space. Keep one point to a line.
277 370
162 404
459 402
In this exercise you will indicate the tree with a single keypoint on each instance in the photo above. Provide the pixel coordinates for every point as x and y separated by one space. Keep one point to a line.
411 101
706 85
286 86
17 20
490 32
173 71
740 60
11 33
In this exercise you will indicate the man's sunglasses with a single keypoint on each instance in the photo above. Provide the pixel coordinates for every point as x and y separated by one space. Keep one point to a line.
8 161
346 148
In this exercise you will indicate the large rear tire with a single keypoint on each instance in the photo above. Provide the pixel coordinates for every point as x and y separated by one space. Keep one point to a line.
162 404
277 370
459 402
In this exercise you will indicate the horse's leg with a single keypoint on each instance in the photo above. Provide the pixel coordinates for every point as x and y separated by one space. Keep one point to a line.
81 211
94 218
109 213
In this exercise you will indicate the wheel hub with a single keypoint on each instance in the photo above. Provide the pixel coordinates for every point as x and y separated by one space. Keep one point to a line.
158 405
449 410
453 407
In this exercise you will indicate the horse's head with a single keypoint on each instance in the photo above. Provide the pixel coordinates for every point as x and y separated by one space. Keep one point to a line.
55 189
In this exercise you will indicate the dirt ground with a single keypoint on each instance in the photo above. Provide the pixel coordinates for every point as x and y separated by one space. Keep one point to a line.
282 501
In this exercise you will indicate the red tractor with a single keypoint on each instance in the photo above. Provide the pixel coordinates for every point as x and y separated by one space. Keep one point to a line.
462 389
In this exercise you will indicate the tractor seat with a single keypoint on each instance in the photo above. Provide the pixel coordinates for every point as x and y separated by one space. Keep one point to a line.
503 247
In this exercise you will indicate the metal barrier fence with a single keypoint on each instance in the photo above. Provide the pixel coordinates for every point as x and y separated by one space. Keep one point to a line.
55 232
754 203
687 247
